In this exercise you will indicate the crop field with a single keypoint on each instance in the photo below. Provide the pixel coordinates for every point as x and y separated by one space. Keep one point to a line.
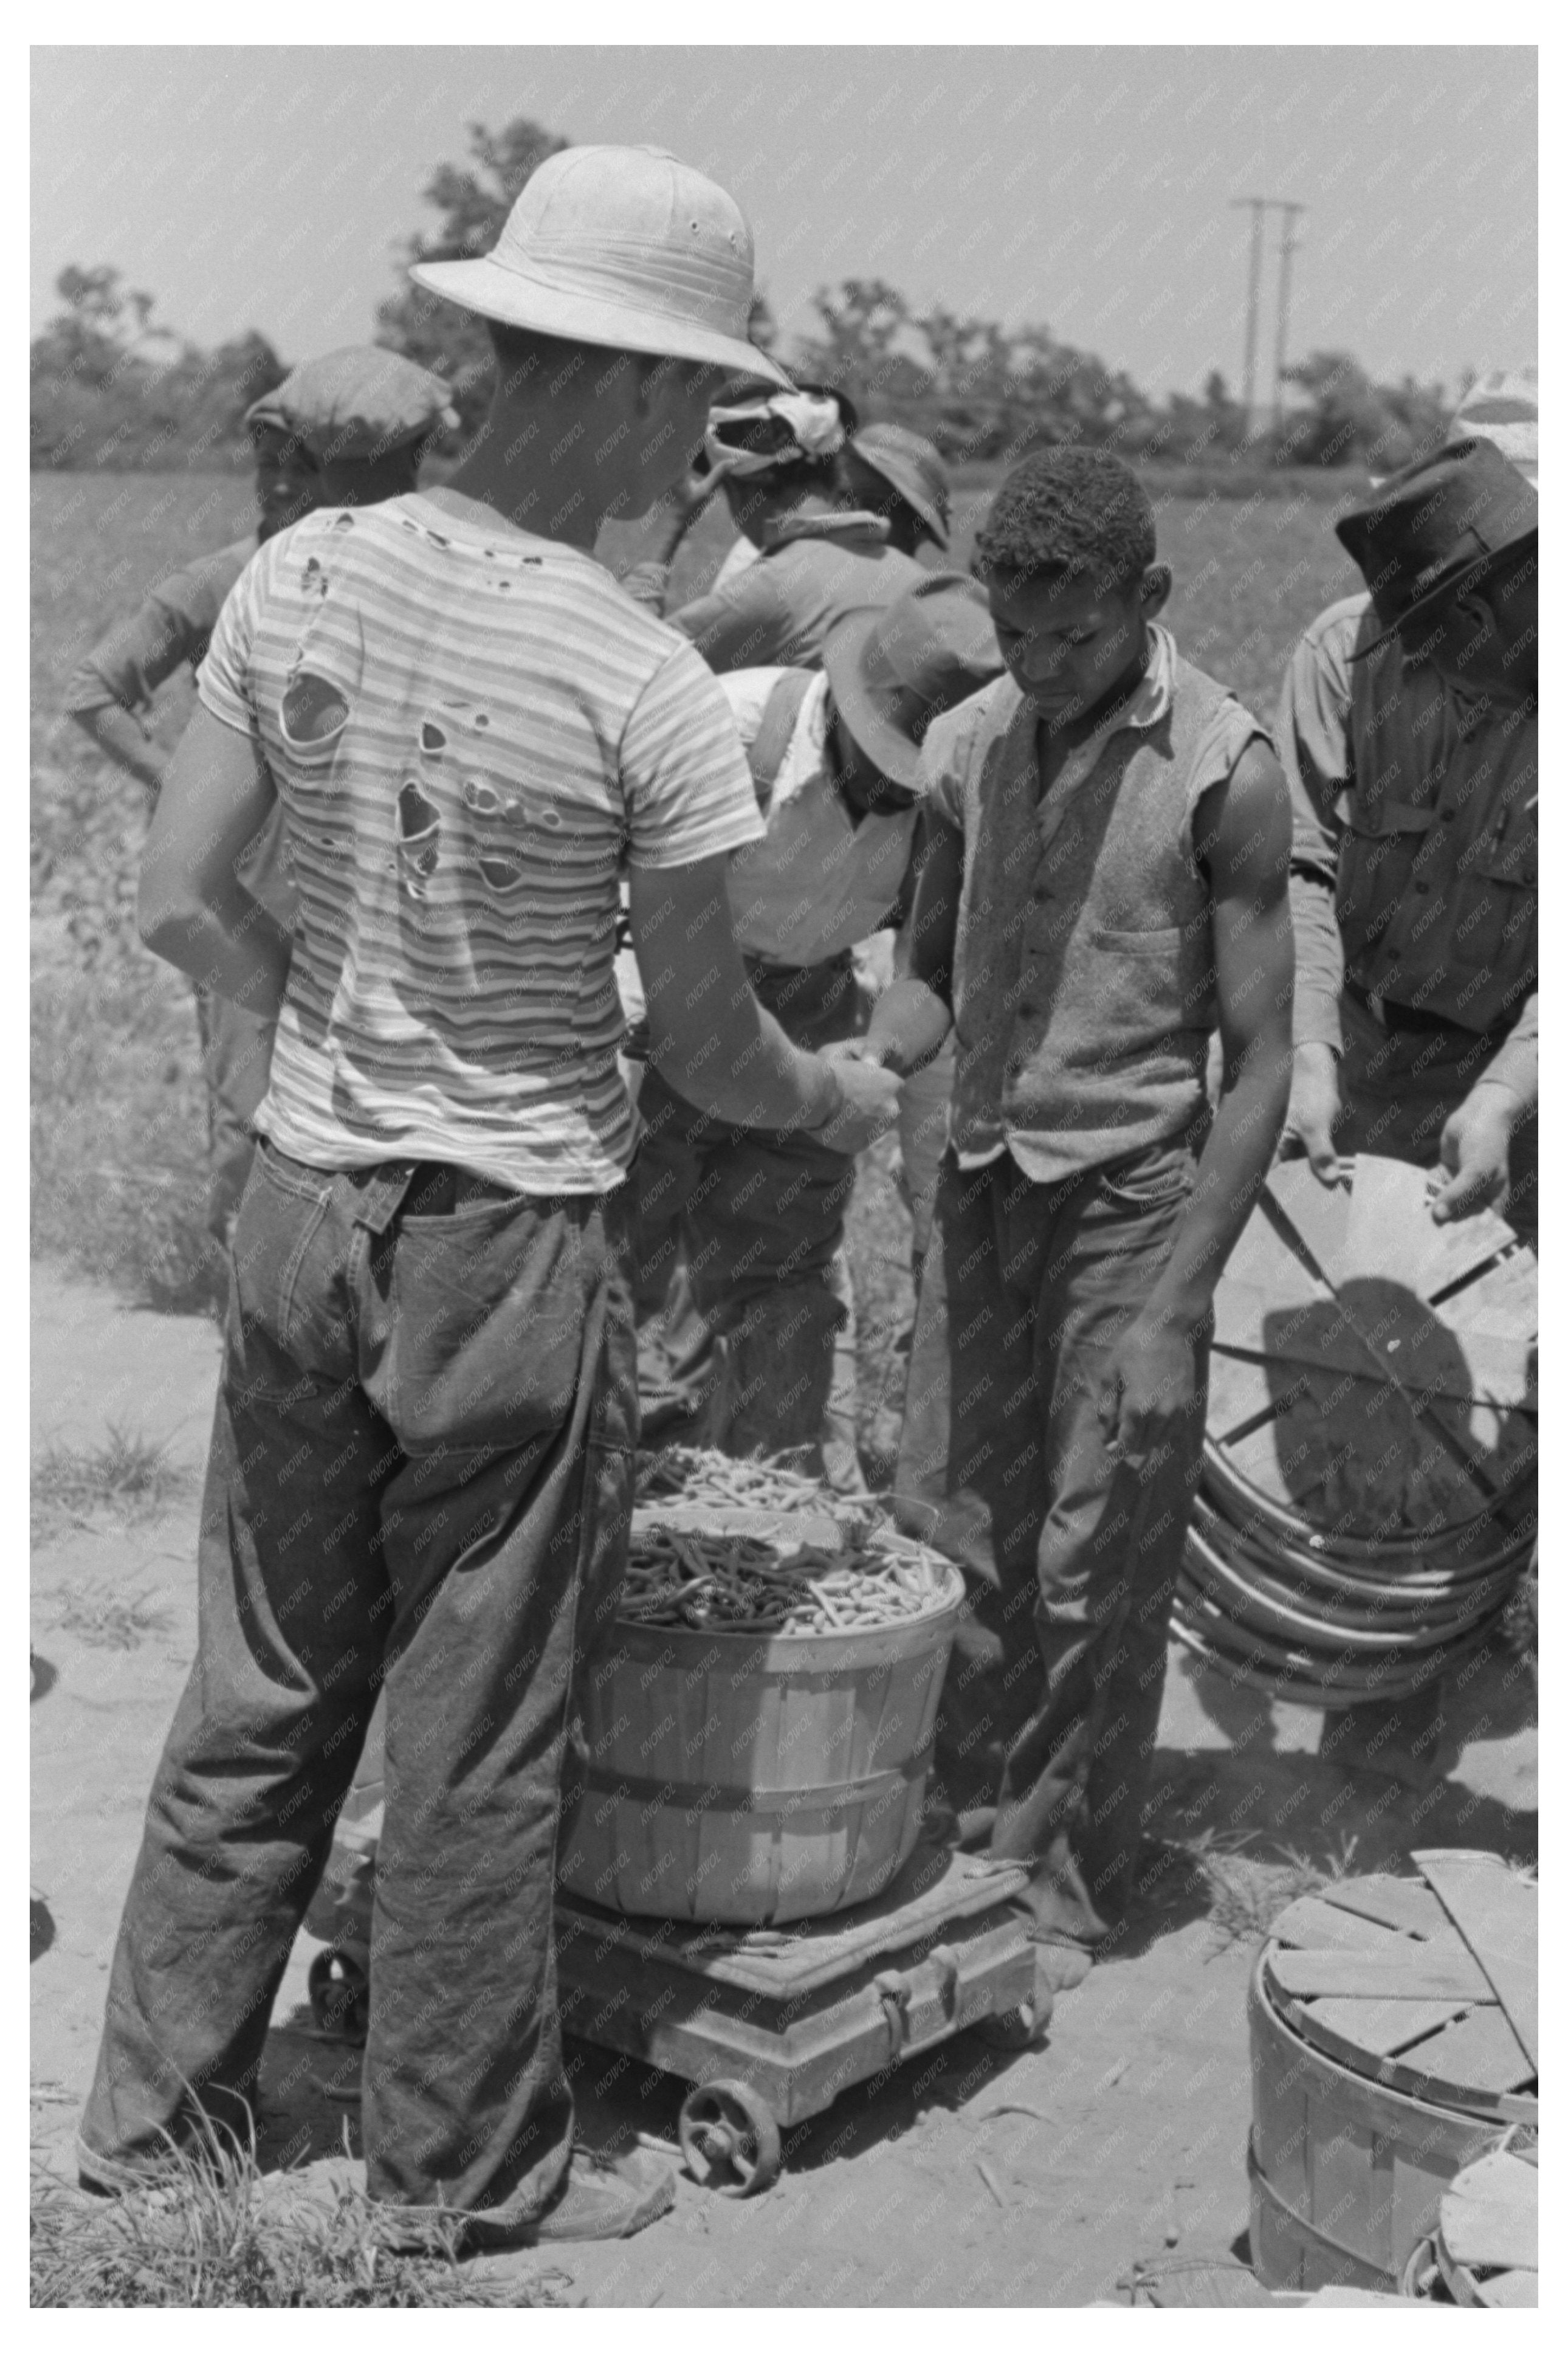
118 1128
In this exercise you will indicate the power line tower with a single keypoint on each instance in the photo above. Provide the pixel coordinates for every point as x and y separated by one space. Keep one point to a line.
1287 210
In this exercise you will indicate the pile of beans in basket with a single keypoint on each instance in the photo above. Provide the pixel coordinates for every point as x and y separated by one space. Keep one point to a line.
717 1582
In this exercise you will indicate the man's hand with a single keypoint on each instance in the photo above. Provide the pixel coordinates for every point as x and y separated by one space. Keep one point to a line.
1315 1108
119 736
870 1100
1473 1154
1152 1379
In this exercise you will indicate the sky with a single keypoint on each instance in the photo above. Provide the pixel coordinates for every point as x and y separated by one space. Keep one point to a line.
1090 189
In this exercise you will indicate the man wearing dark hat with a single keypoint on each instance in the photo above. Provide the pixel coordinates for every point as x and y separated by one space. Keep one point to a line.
1407 730
344 430
759 1215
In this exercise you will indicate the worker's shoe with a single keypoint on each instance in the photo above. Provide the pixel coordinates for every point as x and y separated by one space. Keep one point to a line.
601 2200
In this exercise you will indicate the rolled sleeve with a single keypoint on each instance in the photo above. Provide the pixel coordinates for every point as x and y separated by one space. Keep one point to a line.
1312 736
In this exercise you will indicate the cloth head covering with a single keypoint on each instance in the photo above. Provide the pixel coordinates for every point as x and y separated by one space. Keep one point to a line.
625 247
754 436
1503 408
353 406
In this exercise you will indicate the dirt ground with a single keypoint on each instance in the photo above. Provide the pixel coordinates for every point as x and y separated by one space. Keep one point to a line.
969 2176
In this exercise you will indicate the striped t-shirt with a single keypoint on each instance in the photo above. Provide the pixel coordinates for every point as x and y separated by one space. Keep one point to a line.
471 730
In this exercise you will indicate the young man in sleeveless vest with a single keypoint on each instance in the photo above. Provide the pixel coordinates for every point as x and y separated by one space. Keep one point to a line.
1104 883
836 761
420 1477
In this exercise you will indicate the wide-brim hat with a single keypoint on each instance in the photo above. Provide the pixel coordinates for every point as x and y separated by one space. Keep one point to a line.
1433 527
894 668
913 467
624 247
355 405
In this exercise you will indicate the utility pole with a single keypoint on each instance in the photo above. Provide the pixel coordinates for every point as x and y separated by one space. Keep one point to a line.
1288 244
1287 210
1254 283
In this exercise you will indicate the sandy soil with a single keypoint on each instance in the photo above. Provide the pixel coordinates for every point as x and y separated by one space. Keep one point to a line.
971 2177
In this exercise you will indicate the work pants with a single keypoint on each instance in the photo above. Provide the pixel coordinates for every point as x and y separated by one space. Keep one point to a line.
1053 1694
237 1063
419 1483
1399 1087
747 1223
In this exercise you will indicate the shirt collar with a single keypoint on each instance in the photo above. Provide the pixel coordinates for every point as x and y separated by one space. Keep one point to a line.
1145 706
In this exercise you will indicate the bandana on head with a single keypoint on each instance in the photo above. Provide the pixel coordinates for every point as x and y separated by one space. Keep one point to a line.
815 425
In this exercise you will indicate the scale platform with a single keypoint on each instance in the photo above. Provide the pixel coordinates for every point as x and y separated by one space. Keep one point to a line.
769 2025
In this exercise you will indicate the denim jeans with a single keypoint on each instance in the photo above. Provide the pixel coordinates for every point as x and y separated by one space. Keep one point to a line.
738 1229
1053 1694
237 1063
419 1484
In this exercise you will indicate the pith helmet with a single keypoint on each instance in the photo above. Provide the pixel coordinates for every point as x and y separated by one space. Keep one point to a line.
624 247
1503 408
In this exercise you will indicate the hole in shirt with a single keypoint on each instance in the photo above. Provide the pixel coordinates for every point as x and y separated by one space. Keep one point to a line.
314 711
481 719
431 737
502 874
416 815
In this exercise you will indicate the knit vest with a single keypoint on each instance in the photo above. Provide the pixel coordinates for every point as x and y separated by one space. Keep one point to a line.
1085 992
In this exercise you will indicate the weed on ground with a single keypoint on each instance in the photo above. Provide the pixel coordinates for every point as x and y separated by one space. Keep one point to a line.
1247 1891
126 1477
208 2229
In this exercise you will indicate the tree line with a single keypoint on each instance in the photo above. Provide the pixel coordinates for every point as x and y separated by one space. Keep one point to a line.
113 391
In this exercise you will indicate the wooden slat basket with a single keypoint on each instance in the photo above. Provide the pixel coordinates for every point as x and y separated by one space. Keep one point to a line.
1382 2061
755 1779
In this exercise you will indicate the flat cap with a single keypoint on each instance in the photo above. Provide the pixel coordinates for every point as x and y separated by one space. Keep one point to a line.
356 405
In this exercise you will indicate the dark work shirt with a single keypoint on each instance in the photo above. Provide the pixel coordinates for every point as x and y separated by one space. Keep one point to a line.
1414 858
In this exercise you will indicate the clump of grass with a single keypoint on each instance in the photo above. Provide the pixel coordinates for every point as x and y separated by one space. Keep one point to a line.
1246 1893
109 1621
119 1132
125 1476
207 2229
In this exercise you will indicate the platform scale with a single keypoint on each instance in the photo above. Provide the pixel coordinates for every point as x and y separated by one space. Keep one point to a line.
769 2026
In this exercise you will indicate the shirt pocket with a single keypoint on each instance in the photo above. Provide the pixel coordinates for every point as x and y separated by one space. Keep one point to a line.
1495 902
1378 860
1165 940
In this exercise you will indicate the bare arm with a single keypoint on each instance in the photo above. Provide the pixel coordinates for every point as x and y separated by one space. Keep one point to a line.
119 736
710 1039
1243 843
914 1014
192 909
